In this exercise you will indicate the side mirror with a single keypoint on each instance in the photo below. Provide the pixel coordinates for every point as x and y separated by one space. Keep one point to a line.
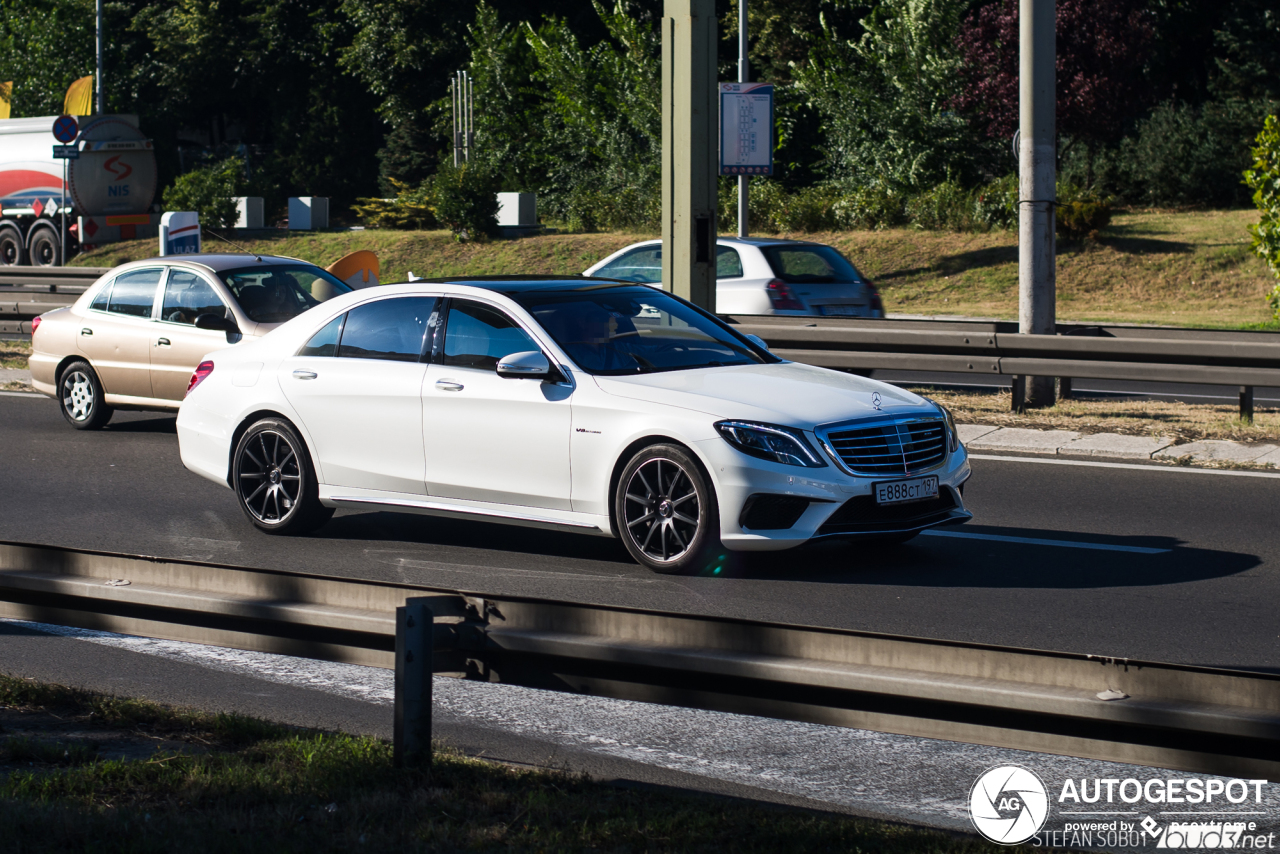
216 323
758 341
529 366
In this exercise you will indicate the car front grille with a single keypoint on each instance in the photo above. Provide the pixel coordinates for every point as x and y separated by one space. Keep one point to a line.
891 449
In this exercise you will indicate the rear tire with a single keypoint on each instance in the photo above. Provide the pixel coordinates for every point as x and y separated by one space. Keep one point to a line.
274 481
45 249
12 252
81 398
666 511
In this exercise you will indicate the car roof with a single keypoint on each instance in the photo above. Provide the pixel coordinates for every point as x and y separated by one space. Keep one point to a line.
745 241
512 285
219 261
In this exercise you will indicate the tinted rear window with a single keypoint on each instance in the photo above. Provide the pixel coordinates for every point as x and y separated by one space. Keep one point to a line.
802 264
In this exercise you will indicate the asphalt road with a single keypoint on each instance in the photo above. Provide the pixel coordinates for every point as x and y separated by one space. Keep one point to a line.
1183 566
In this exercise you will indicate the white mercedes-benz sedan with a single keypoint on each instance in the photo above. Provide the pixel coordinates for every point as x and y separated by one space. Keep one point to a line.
585 405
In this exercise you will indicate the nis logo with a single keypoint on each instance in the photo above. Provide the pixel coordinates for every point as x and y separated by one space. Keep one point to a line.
119 171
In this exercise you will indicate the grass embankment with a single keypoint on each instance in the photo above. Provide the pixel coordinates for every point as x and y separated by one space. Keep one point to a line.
1185 422
194 782
1182 268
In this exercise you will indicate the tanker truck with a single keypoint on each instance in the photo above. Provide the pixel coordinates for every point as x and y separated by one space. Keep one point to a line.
109 191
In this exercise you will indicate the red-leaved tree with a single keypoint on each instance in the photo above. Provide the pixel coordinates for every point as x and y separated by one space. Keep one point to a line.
1102 45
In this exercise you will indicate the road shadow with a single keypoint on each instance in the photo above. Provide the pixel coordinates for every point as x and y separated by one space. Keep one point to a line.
934 561
1144 245
142 423
393 528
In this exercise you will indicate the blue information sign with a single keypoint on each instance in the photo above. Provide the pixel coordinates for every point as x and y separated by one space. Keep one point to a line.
746 128
66 152
65 128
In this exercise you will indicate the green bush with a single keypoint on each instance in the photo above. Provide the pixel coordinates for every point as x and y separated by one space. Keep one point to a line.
466 201
1082 213
874 207
996 204
623 208
210 191
945 207
412 208
1264 180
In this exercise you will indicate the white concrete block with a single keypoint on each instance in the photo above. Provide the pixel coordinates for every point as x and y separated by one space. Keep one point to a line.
1210 450
1023 440
307 213
249 212
517 209
969 432
1117 445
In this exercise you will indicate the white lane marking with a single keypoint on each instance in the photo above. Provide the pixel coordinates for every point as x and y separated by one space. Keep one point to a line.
1034 541
1139 466
1091 390
21 394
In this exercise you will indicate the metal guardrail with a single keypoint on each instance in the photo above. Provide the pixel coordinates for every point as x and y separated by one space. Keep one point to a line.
28 292
1176 716
1154 354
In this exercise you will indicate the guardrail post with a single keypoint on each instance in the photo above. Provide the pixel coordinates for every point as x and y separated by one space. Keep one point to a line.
1246 404
414 638
1019 393
1064 388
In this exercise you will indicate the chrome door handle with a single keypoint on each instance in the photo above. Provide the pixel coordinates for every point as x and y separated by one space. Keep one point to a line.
86 331
304 375
448 385
162 342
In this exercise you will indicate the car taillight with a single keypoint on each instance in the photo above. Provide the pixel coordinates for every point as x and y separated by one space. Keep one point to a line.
35 324
877 304
782 297
202 370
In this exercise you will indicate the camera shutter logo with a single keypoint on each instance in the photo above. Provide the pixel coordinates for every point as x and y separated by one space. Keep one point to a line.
1008 804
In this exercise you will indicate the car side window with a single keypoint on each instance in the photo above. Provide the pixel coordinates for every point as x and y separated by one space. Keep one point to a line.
101 298
325 342
134 293
728 263
477 336
391 329
638 265
187 296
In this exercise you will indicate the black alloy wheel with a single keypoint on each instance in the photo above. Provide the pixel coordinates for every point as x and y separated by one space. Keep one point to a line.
44 248
81 398
274 481
12 252
666 511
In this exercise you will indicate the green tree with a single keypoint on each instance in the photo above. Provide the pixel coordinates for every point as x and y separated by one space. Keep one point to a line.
883 97
1264 180
44 47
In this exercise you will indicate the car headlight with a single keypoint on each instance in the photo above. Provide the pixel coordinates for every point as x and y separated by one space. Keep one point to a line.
770 442
953 435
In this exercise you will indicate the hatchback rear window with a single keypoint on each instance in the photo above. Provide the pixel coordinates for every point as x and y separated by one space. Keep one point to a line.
806 264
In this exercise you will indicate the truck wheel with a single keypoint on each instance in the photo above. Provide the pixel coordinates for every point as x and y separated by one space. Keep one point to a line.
44 248
12 251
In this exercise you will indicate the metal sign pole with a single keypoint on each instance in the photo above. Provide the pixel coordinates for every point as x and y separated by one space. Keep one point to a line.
743 77
63 211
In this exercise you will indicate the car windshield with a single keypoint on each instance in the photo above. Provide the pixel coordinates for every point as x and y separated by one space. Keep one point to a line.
638 331
278 292
810 264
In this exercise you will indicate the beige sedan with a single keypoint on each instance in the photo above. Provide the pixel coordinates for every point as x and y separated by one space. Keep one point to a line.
133 340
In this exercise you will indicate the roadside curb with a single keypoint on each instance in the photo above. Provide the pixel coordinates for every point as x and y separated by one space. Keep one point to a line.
1208 453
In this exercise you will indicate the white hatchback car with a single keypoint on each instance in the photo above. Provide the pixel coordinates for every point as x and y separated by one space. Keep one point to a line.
592 406
763 275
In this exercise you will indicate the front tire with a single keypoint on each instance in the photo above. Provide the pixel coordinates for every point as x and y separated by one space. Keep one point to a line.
82 401
45 250
274 481
666 511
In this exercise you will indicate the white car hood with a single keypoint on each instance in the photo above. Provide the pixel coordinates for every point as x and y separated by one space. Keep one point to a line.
789 393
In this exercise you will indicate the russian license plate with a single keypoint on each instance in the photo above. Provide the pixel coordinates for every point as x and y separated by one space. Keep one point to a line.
902 491
841 310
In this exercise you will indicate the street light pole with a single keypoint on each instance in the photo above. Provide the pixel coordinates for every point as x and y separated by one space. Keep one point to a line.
1037 192
744 76
100 109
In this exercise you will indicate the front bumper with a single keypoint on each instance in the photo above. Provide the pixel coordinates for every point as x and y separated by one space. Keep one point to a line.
839 505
